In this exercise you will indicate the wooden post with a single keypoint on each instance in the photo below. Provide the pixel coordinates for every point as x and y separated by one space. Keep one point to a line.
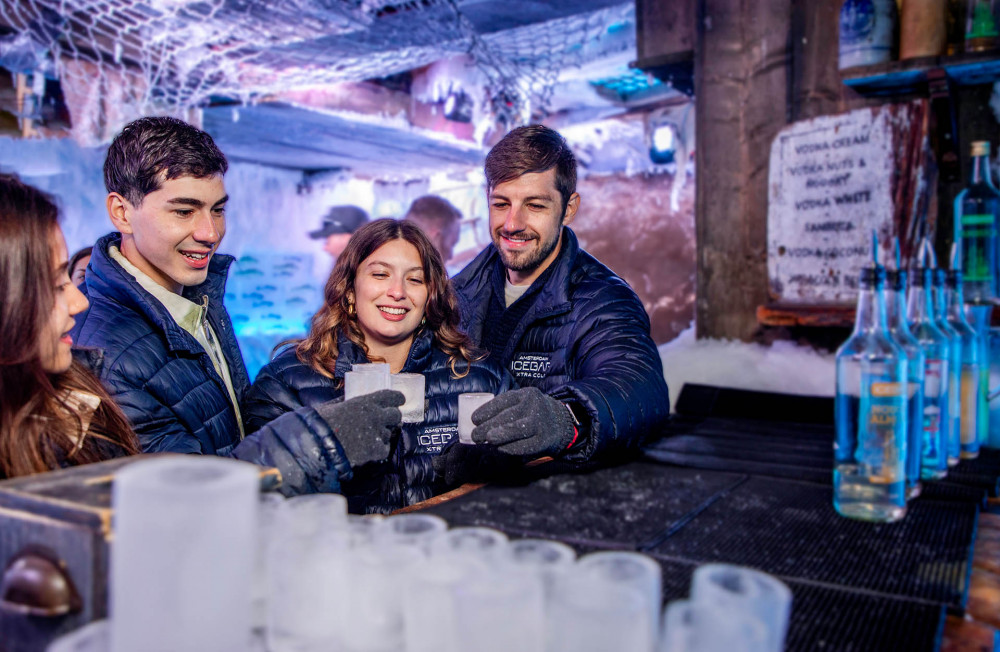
741 86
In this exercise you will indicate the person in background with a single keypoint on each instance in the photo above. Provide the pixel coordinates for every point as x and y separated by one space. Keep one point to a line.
572 333
157 320
53 412
389 300
78 266
338 225
439 220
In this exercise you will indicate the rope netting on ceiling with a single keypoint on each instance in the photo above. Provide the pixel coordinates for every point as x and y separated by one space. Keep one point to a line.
118 59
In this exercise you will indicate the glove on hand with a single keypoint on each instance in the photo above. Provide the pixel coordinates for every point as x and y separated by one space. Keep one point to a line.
461 463
363 425
524 422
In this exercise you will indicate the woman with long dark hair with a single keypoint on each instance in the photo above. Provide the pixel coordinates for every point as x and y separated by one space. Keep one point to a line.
53 412
388 300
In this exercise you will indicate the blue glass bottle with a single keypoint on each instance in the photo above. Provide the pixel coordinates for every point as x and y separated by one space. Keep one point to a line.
969 375
895 306
869 474
975 228
920 313
953 425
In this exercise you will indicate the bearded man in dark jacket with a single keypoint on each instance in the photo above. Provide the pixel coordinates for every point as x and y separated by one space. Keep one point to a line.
572 333
156 323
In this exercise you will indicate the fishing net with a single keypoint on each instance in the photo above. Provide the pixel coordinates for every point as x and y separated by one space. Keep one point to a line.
118 59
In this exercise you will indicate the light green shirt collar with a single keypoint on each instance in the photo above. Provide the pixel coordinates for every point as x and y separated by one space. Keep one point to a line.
187 314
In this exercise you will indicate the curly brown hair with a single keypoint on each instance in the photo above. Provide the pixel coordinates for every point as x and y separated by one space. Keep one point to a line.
319 348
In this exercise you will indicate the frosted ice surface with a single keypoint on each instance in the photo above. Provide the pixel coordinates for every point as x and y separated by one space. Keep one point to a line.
783 367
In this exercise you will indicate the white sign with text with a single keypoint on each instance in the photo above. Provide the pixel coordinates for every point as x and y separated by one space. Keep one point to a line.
830 184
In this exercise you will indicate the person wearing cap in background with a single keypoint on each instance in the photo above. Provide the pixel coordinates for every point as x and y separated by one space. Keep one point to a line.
439 220
339 224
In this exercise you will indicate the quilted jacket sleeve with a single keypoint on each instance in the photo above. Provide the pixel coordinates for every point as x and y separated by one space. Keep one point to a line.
156 425
291 437
619 376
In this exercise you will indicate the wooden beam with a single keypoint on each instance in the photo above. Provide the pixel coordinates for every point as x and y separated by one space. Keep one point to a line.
741 85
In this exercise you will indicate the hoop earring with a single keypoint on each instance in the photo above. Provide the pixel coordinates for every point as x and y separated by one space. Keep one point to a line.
350 309
423 320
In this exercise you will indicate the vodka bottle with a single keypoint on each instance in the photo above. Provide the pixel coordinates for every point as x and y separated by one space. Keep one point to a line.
895 306
953 426
870 449
920 312
976 229
970 378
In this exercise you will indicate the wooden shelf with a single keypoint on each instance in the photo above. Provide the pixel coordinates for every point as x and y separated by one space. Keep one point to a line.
676 69
784 314
896 77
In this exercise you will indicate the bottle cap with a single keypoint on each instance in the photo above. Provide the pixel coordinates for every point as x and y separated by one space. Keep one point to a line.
873 275
939 276
981 148
896 279
953 278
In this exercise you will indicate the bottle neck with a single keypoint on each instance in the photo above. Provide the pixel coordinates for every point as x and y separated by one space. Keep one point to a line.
981 170
871 310
921 306
956 302
895 308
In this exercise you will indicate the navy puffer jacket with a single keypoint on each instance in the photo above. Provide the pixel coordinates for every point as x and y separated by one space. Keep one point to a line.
584 341
158 372
286 386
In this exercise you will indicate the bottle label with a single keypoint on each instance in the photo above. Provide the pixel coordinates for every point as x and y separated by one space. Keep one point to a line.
977 219
970 403
977 229
933 387
882 432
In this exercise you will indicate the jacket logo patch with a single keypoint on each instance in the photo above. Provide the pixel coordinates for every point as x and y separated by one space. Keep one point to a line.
530 365
433 439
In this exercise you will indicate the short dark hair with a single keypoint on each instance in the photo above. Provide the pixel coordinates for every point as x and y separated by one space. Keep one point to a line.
149 151
534 148
432 209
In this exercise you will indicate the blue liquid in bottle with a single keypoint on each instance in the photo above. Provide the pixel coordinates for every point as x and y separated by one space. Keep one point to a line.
953 426
920 307
895 303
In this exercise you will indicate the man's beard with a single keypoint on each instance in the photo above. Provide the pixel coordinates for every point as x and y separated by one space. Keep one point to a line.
526 261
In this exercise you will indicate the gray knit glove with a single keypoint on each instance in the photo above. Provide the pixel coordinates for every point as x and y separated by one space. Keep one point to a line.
364 425
524 422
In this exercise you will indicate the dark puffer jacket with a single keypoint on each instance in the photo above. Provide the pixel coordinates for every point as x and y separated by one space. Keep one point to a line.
584 341
169 389
158 372
286 386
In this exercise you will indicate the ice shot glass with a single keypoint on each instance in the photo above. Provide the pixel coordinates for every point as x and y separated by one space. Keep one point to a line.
359 383
412 387
467 404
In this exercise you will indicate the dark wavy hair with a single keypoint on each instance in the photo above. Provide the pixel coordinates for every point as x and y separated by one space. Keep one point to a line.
149 151
319 348
534 148
39 429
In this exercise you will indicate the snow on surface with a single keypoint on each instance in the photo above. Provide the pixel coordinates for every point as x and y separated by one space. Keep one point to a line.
783 367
